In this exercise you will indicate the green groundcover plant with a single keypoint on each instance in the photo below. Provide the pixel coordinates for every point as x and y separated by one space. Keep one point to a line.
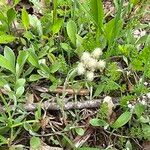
77 45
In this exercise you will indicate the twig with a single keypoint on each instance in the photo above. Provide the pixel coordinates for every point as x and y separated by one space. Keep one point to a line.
67 106
47 105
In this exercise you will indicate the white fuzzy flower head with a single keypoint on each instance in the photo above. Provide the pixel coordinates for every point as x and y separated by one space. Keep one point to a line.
80 69
148 95
110 104
85 56
101 64
91 64
90 75
97 53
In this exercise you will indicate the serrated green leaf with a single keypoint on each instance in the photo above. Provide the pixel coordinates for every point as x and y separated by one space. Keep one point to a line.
122 120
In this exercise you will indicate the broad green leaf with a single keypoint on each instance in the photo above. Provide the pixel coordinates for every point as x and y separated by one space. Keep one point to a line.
5 38
11 14
66 47
4 63
45 68
34 77
57 25
55 67
20 82
2 82
112 29
79 131
10 56
98 122
25 18
122 120
36 23
22 57
33 59
35 143
96 11
20 91
128 145
99 89
72 31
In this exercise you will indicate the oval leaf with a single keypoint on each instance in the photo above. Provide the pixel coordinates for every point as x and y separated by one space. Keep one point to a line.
5 38
72 31
122 120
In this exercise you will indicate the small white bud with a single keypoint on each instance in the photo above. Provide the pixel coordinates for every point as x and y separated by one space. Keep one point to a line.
106 127
130 105
42 61
7 87
148 95
97 53
85 56
90 75
143 102
145 83
101 64
80 69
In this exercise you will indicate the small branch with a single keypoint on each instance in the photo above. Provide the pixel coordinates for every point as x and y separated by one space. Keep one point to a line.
61 89
67 106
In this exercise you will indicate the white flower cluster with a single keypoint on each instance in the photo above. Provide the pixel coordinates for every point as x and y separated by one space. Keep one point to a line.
144 99
90 63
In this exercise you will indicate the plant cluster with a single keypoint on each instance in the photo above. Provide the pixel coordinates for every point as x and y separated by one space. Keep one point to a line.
43 60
